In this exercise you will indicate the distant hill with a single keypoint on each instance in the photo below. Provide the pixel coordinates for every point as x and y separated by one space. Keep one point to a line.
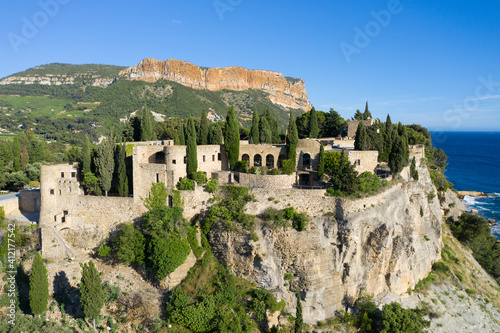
97 96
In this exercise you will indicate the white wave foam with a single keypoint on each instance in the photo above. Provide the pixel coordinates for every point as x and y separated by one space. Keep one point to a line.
469 201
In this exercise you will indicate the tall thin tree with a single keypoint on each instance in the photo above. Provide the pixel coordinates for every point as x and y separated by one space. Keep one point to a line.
191 148
299 321
313 124
254 130
86 157
232 138
122 171
321 165
361 139
91 291
105 163
203 132
16 152
265 135
39 286
292 140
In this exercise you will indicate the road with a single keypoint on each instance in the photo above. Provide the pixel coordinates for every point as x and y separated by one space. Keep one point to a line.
9 196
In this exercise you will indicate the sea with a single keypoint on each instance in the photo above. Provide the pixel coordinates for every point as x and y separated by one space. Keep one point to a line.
474 165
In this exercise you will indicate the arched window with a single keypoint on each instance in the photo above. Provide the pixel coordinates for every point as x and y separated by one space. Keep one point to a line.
257 160
270 161
306 161
245 157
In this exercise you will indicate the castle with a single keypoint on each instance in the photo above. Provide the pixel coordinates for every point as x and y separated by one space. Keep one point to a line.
68 216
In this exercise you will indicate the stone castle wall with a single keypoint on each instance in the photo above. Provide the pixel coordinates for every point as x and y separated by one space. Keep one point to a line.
352 126
29 201
363 160
10 206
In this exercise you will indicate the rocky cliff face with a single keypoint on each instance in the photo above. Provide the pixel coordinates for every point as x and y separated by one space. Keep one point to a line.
57 80
286 92
386 247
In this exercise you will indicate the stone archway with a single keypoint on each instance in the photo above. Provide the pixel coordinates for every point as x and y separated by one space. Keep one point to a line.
257 160
270 161
306 161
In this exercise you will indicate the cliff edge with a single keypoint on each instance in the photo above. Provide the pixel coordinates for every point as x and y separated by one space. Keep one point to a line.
283 91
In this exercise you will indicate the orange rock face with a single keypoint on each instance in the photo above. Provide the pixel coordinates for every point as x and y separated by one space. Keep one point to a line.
280 90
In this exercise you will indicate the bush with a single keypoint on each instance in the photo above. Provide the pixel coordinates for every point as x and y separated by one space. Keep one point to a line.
290 213
287 167
440 267
166 254
397 319
241 166
289 276
300 221
185 184
104 250
368 183
199 177
212 185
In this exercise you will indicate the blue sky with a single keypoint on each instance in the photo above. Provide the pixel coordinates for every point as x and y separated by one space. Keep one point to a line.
431 62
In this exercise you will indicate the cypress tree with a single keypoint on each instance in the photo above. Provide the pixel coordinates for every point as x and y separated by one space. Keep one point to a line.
273 125
16 152
215 137
25 158
147 126
39 286
321 165
254 131
105 163
86 155
313 124
413 169
396 157
128 131
203 132
367 114
182 135
292 139
361 139
388 125
265 135
191 149
91 292
122 171
299 321
232 138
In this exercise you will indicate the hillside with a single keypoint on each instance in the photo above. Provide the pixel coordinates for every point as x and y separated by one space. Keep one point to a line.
64 102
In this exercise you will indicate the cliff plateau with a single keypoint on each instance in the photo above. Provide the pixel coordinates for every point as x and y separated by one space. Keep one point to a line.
283 91
386 247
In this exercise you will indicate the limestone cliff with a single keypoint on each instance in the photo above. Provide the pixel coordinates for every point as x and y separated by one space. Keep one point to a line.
286 92
387 246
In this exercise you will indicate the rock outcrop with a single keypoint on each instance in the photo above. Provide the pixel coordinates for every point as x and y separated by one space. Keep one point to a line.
286 92
385 247
57 80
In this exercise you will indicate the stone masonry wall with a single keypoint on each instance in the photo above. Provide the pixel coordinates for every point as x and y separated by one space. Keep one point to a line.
352 126
29 201
364 160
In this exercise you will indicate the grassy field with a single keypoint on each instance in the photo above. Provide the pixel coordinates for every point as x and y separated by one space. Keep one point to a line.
45 105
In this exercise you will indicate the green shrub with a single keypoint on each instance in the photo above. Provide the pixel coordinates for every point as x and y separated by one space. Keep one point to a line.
287 167
300 221
104 250
212 185
111 292
193 242
185 184
290 213
368 183
166 254
440 267
199 177
397 319
241 166
332 192
289 276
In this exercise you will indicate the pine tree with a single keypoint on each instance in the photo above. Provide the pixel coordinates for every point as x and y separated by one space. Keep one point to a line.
203 132
358 115
191 149
86 155
321 165
265 135
292 139
215 137
39 286
91 292
299 321
232 138
254 131
367 114
122 171
361 139
313 124
16 152
182 135
105 163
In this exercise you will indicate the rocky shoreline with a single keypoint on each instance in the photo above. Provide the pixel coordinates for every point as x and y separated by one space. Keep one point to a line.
476 194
